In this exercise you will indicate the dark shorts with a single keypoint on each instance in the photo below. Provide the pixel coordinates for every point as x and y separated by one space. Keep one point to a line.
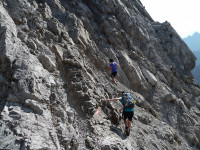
113 74
128 115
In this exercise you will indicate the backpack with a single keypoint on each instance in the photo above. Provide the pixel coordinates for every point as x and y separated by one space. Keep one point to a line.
129 101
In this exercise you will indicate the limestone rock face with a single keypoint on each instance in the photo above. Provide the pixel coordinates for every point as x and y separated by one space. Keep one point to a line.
53 55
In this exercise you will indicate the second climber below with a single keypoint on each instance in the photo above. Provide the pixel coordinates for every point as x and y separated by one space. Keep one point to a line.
128 113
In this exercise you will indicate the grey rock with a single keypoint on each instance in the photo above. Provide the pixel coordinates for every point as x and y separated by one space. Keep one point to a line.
53 56
89 141
34 105
170 97
32 44
46 62
150 77
22 36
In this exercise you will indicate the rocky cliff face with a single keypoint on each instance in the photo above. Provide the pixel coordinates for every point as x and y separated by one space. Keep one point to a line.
53 54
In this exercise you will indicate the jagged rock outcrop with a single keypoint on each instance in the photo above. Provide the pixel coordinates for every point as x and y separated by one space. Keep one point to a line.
196 73
53 54
193 44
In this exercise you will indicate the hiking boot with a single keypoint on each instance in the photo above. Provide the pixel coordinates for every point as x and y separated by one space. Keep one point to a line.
127 132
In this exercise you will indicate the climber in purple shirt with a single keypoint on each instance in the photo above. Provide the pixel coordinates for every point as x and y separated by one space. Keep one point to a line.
113 68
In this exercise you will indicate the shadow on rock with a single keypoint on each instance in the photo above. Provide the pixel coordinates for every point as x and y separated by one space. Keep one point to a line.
118 131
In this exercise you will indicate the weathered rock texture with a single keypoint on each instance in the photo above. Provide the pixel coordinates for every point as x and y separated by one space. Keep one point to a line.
53 54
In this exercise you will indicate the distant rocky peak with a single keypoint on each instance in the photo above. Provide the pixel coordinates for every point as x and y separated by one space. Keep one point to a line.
193 41
196 35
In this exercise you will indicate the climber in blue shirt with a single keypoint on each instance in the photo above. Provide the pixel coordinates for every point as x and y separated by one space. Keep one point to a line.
113 68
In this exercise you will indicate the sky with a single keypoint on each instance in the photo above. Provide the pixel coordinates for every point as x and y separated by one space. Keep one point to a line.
183 15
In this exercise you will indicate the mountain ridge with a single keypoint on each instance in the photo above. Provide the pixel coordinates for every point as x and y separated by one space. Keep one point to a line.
53 55
193 41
